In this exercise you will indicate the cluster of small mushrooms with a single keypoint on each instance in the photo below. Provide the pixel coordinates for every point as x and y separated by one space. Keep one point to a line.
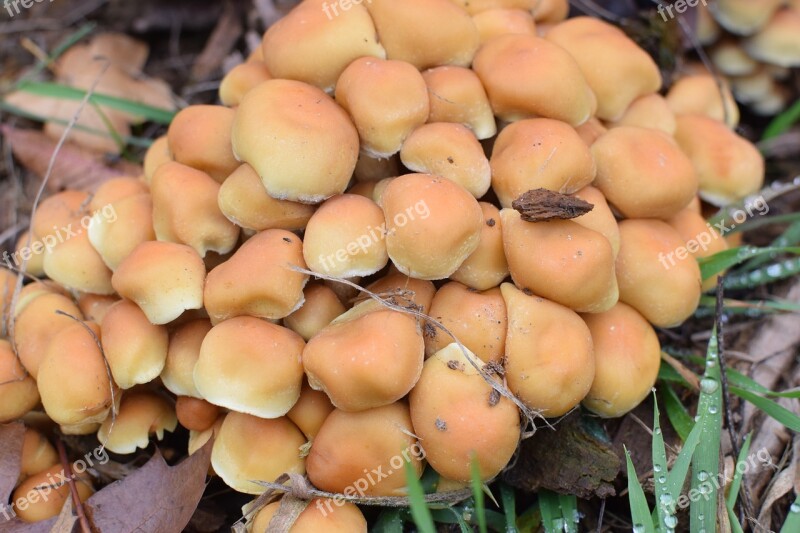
406 147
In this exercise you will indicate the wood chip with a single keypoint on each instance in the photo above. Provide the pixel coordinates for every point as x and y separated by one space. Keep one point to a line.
542 205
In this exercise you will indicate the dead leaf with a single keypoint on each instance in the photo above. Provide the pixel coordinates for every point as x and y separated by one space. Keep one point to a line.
11 436
155 497
780 488
75 167
66 520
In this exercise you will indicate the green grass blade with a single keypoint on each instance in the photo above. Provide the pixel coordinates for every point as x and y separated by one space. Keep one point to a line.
640 512
477 494
790 237
783 122
761 276
509 507
665 499
429 480
726 259
733 495
419 508
530 520
60 48
460 520
389 521
677 414
772 409
569 512
792 523
551 512
677 476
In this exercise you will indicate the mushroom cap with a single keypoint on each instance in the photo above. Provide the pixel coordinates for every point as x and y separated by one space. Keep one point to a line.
200 137
527 76
474 7
293 46
457 95
368 357
141 414
245 202
18 392
310 411
451 151
58 211
86 397
550 11
35 257
43 494
386 99
700 94
461 419
707 30
744 17
503 21
157 154
643 172
729 167
115 237
135 349
345 237
195 414
258 279
163 278
405 290
432 225
731 59
186 210
666 294
606 57
425 33
778 43
182 355
373 440
114 190
75 264
251 366
600 218
591 130
239 80
562 261
477 319
649 111
627 356
549 359
486 267
702 239
321 514
539 153
37 454
8 283
302 145
321 306
249 449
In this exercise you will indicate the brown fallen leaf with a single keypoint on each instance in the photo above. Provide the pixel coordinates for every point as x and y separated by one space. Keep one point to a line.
155 497
75 167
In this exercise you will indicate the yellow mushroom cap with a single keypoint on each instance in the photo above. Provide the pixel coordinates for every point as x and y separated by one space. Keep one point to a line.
451 151
549 358
459 418
744 17
477 319
135 349
404 290
157 154
486 267
243 199
474 7
258 279
18 392
425 33
321 306
200 137
562 261
8 283
182 355
114 190
302 145
368 357
250 449
527 76
627 357
700 94
75 264
643 172
42 495
729 167
657 276
503 21
239 80
649 111
600 218
115 236
345 237
163 278
321 514
731 59
37 454
56 212
141 414
377 439
778 42
250 366
432 225
310 411
539 153
457 95
33 255
607 56
186 210
292 46
591 130
195 414
86 397
701 238
386 100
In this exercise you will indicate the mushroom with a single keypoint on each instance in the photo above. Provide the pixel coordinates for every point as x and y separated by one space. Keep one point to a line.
114 238
503 21
75 264
114 190
539 153
321 306
627 356
731 59
600 218
95 306
302 145
461 419
249 449
457 95
649 111
476 319
33 255
200 137
141 414
250 366
591 130
182 355
371 169
383 123
701 238
368 357
407 292
157 154
778 42
18 392
473 7
486 267
310 410
258 279
703 94
744 17
432 225
527 76
240 80
351 447
164 279
550 11
135 349
42 495
549 359
195 414
37 454
321 514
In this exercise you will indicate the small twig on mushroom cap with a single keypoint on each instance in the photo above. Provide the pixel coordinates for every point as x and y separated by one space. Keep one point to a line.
542 205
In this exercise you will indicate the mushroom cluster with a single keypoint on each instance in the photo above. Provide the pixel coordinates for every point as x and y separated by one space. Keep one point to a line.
755 45
509 185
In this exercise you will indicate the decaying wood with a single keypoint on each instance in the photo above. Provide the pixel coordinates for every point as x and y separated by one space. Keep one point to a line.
542 205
